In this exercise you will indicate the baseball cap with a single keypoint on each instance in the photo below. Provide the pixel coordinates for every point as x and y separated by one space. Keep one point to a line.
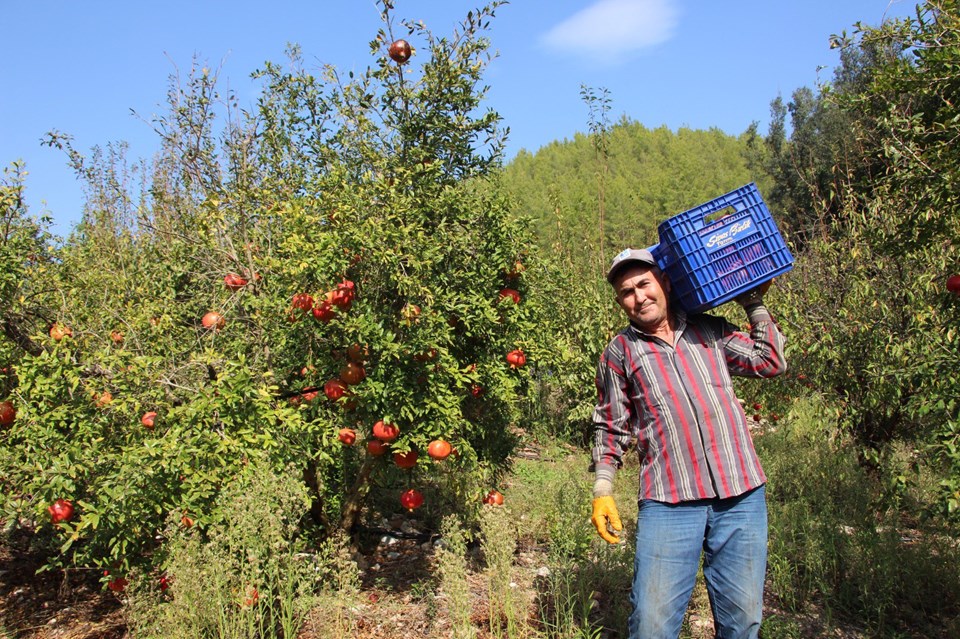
629 256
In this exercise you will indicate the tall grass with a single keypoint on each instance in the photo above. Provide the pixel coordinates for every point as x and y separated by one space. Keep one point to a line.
453 576
840 548
583 585
835 540
339 590
244 576
498 539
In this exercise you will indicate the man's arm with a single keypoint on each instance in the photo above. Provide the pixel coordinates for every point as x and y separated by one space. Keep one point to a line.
759 353
611 416
611 421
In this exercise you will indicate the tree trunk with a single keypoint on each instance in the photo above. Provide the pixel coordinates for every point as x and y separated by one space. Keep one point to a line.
354 500
316 500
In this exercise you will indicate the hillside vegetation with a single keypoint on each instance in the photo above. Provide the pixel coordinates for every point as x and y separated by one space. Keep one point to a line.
650 175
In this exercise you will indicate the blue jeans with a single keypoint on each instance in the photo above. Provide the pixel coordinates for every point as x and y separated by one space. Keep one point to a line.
731 533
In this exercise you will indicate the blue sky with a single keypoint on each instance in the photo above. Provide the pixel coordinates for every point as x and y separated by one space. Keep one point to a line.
81 68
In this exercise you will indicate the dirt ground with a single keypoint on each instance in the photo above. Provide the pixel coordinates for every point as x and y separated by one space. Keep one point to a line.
65 605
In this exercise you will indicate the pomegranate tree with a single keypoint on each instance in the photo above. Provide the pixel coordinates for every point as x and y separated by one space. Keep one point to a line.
370 256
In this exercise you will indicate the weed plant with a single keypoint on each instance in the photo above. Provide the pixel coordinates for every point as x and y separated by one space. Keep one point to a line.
340 590
565 602
498 538
240 576
568 592
452 571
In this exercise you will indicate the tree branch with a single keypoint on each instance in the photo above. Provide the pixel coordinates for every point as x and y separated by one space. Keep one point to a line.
11 328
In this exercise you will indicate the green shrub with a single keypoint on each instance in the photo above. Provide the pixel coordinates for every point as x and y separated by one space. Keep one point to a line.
834 541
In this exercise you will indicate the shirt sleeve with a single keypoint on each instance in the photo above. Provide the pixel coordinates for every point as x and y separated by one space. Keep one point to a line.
612 416
758 353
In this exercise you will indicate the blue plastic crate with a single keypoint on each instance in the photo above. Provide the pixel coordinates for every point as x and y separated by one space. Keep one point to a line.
720 249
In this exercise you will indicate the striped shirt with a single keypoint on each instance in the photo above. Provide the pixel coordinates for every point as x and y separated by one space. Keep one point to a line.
678 401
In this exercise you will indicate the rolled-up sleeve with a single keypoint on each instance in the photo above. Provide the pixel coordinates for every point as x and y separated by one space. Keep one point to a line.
759 353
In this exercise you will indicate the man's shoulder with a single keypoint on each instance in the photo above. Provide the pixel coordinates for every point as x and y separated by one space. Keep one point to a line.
618 341
700 326
705 319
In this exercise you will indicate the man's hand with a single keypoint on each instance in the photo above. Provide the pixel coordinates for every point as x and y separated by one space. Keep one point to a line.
754 295
604 512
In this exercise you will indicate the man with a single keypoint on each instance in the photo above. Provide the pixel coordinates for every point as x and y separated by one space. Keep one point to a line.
666 379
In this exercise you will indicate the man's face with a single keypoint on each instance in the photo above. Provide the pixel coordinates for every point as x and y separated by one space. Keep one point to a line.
642 292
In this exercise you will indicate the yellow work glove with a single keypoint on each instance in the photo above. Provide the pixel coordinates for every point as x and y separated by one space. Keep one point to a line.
605 512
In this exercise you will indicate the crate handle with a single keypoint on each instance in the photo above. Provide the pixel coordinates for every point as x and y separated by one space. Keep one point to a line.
661 254
716 215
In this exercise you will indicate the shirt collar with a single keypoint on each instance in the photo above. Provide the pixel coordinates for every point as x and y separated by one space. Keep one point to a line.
679 315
